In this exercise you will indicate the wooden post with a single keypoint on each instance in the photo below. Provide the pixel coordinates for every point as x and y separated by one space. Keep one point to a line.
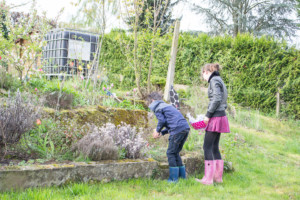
277 103
171 69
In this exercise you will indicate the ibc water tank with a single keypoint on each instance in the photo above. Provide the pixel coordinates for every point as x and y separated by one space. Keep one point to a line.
69 52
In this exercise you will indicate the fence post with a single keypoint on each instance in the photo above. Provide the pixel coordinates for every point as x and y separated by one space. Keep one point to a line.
171 69
277 103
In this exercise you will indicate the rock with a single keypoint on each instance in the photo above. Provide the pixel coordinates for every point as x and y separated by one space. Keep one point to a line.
228 166
3 91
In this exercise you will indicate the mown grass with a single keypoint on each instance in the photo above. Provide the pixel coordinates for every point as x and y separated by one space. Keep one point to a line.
266 166
265 153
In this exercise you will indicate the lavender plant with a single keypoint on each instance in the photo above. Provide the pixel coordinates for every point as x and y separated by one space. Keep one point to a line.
111 142
127 137
97 145
17 116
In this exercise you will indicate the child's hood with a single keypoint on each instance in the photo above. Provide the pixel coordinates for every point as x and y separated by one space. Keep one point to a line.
157 105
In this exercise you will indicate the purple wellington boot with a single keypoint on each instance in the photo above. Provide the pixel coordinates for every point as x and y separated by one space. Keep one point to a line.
208 173
219 167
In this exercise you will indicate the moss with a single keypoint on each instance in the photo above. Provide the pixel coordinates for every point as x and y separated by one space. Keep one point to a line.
67 166
62 165
151 160
163 165
13 167
43 166
128 160
8 157
49 110
99 116
134 117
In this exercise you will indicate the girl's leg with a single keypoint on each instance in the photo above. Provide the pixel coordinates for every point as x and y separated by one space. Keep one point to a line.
218 162
215 148
209 140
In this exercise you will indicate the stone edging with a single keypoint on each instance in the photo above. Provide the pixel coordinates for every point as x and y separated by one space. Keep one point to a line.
21 177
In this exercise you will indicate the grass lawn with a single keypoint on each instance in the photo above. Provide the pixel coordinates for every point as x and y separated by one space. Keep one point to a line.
266 158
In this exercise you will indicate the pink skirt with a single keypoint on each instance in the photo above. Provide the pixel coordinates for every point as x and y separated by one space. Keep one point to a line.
218 124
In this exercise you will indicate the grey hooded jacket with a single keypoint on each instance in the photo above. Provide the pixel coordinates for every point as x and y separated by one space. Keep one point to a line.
217 94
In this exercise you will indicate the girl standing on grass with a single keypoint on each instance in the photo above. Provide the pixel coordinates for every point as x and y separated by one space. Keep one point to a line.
217 123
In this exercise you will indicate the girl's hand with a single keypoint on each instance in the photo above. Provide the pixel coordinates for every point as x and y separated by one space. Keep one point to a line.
206 120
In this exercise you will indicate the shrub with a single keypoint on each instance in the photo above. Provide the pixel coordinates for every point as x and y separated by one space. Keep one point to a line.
7 81
128 138
111 142
37 82
97 145
159 82
254 69
65 101
183 94
16 117
39 142
52 139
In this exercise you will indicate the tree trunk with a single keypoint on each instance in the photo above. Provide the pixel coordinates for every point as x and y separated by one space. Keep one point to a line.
235 24
20 76
152 50
151 63
235 18
101 42
136 67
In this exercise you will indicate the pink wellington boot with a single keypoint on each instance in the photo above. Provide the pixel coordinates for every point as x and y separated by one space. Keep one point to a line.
208 173
219 167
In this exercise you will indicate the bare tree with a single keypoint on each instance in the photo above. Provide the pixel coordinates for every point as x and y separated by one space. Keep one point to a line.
164 12
93 13
159 9
21 28
271 17
133 9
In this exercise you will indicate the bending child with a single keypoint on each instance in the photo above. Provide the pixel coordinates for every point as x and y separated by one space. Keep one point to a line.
171 121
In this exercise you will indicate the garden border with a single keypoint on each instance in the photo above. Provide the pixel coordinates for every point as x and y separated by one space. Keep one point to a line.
22 177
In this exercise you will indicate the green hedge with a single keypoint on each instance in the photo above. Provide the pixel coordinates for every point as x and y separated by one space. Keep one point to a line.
253 68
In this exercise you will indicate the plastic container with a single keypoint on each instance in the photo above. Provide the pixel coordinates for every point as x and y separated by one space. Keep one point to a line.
199 125
69 52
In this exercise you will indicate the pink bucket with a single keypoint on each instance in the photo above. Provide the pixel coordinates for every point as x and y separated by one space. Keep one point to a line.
199 125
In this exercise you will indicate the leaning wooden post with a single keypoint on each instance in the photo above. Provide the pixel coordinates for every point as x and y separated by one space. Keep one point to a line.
171 69
277 103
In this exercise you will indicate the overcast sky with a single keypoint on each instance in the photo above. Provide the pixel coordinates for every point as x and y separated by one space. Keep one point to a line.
190 21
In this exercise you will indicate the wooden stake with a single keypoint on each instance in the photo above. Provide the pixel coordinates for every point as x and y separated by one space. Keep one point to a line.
277 103
171 69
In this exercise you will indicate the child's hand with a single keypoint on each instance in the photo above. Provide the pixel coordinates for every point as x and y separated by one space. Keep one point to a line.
155 134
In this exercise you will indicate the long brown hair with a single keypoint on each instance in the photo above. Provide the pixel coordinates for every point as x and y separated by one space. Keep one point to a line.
211 67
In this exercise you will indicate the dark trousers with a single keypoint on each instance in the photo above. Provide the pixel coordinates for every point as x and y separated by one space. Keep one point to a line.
176 143
211 146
